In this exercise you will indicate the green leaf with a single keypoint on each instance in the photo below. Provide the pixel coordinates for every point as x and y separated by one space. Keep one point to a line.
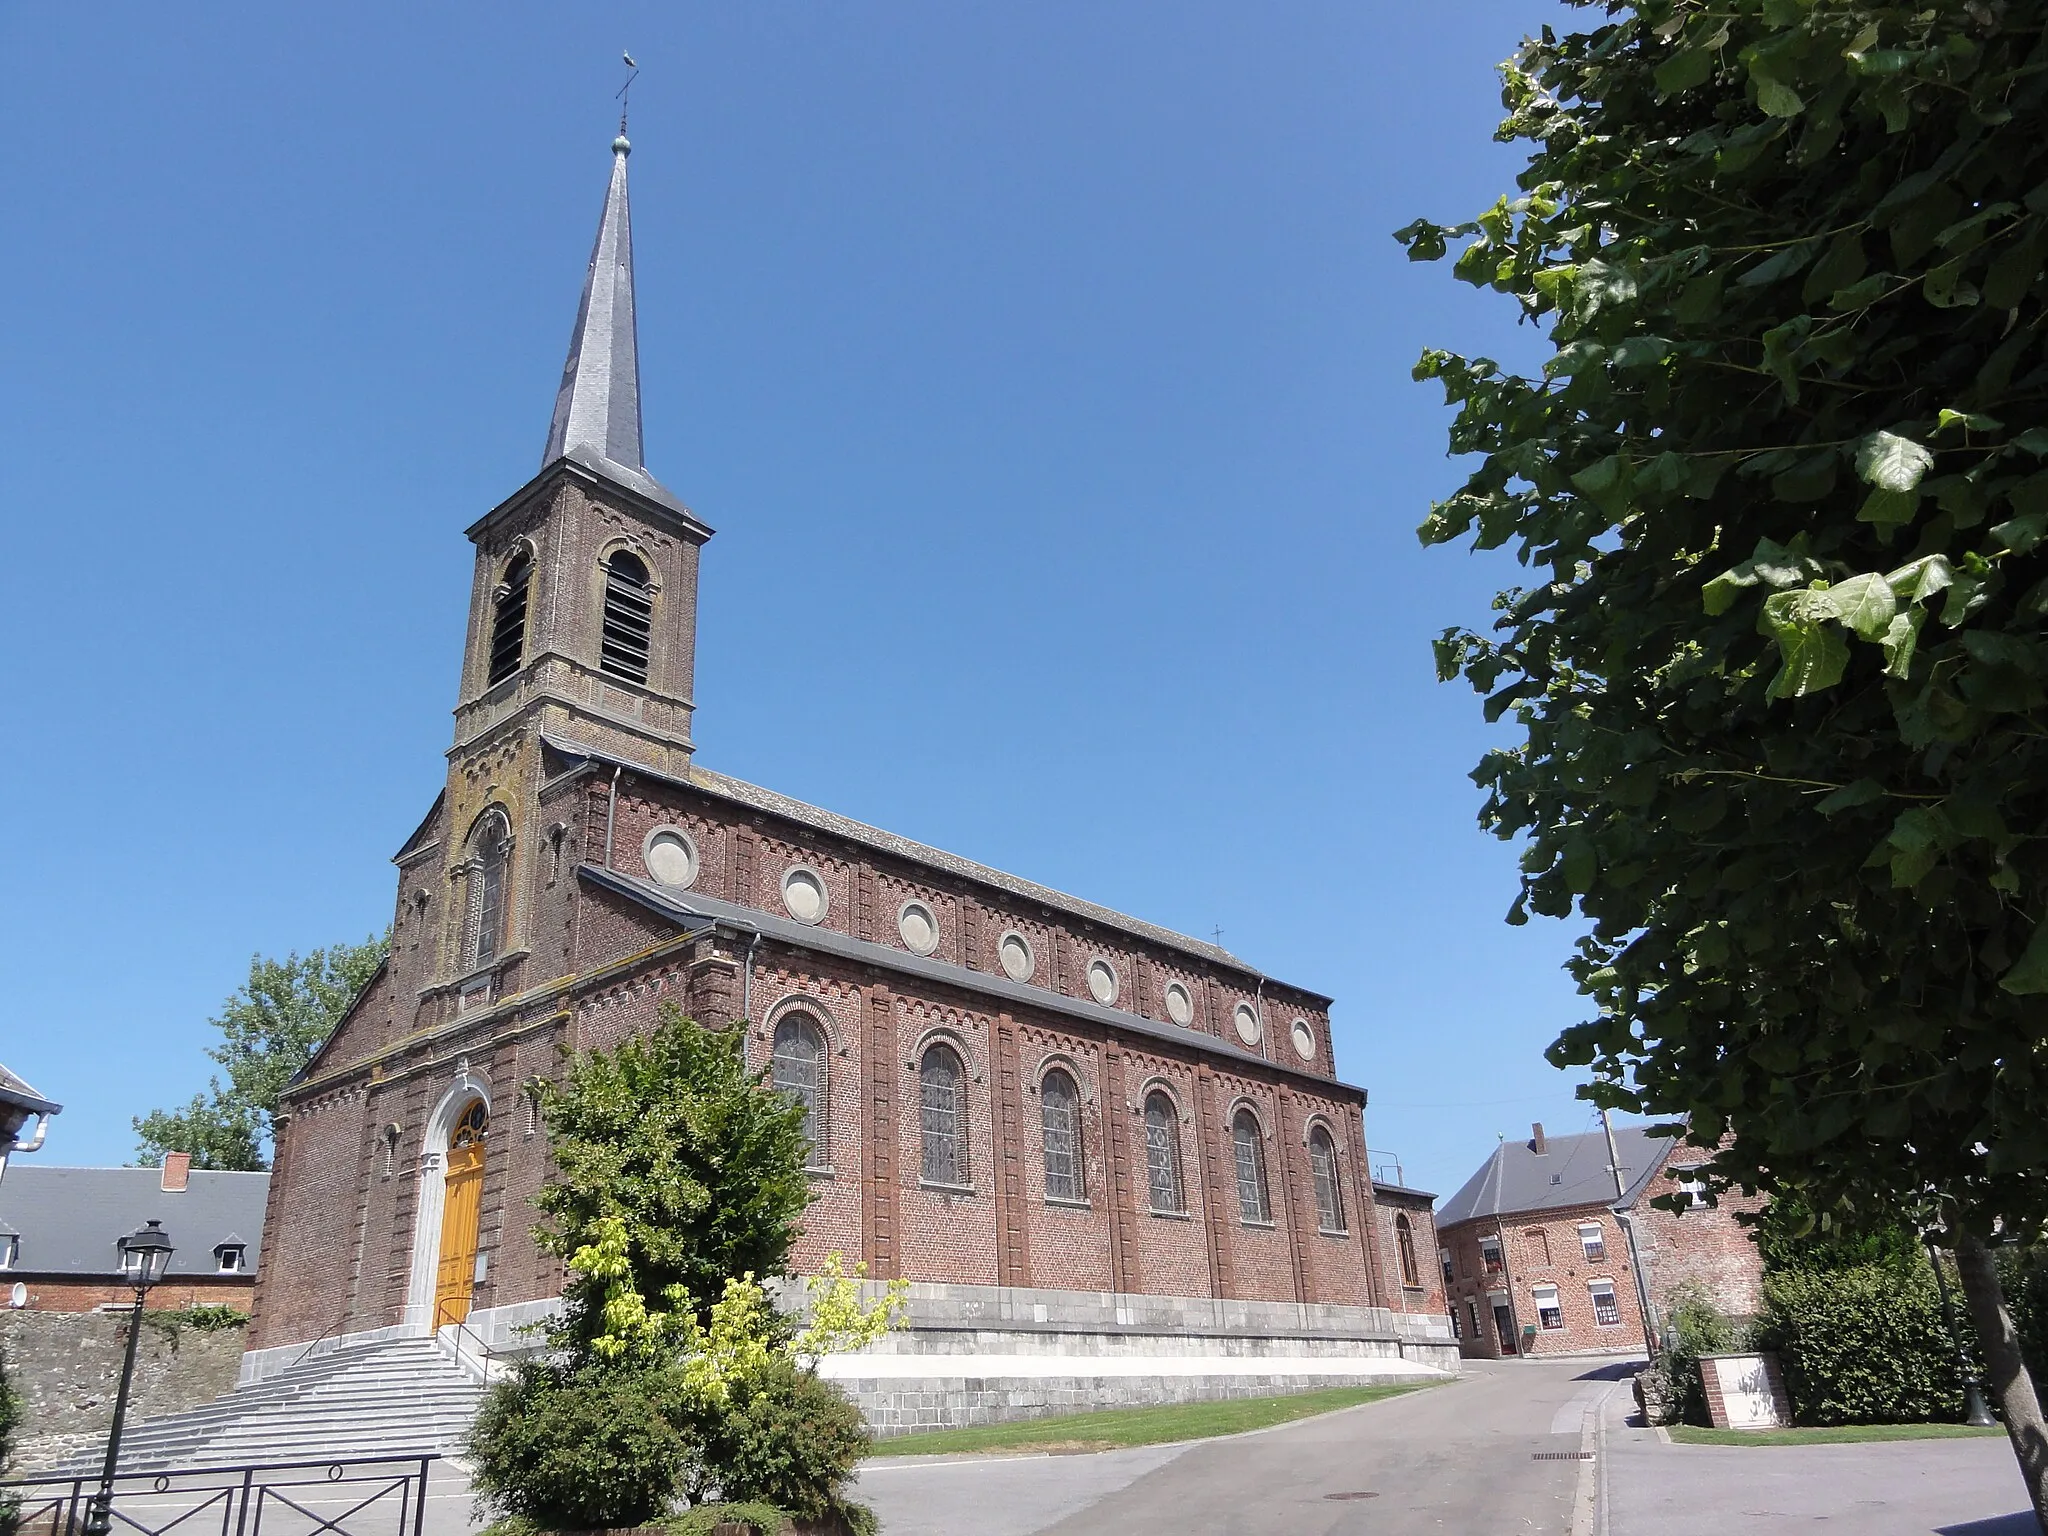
1773 565
2020 534
1606 481
1901 638
1947 418
1864 604
2034 440
1944 287
1849 796
2013 274
1701 300
1888 509
1777 98
1781 353
1640 352
1892 462
1684 70
2028 975
1861 295
1812 650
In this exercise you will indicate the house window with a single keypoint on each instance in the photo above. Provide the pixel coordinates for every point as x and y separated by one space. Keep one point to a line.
1404 1243
628 618
1549 1312
1457 1328
1606 1310
1059 1113
1162 1153
1489 1256
232 1258
484 925
10 1250
1472 1318
798 1065
508 620
943 1117
1538 1242
1594 1241
1443 1257
1322 1167
1248 1142
1691 1185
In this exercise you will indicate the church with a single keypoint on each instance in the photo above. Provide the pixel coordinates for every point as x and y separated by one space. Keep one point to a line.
1012 1093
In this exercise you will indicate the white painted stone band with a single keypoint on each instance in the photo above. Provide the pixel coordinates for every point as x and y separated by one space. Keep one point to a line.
1101 1367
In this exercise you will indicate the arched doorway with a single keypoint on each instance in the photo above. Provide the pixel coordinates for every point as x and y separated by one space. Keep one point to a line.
461 1202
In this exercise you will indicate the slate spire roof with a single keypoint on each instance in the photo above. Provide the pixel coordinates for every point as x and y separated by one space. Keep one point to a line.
597 409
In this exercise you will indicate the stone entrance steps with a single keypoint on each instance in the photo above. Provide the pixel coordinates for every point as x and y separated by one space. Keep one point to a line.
401 1397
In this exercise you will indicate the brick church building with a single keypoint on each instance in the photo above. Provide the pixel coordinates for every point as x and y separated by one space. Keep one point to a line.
1008 1087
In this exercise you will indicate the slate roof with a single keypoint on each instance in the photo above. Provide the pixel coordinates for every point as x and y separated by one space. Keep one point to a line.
754 796
15 1091
1572 1171
71 1220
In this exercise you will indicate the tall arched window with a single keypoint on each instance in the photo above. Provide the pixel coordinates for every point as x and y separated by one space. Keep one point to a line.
484 925
1249 1143
943 1112
799 1069
628 618
1162 1152
1404 1241
1322 1164
1060 1115
508 620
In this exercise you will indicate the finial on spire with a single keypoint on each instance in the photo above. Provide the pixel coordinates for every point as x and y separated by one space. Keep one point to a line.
620 145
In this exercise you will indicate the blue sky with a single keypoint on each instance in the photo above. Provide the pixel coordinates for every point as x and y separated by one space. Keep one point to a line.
1043 368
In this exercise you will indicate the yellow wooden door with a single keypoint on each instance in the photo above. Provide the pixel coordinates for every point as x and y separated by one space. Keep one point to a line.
463 1196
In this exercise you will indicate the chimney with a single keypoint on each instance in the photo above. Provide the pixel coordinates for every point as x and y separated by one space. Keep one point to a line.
177 1172
1535 1142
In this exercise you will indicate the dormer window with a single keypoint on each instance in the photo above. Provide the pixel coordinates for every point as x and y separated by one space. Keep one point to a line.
232 1258
628 618
10 1250
508 619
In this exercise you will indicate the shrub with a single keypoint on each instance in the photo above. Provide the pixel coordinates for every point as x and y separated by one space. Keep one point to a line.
787 1438
1862 1346
583 1448
1693 1326
706 1518
2024 1274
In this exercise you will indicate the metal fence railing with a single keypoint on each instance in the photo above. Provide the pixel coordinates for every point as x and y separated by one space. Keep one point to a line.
379 1496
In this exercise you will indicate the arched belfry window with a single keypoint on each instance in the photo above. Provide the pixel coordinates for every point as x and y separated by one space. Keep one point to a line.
508 619
799 1066
1162 1152
490 858
1248 1141
1322 1164
942 1110
628 617
1060 1117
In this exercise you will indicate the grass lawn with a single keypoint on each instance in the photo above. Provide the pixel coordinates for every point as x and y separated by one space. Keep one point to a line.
1840 1434
1117 1427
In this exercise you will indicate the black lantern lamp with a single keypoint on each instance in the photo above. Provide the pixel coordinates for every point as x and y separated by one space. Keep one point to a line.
145 1256
1976 1412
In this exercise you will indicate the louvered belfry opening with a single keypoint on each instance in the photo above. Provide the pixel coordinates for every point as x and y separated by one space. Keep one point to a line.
508 621
628 618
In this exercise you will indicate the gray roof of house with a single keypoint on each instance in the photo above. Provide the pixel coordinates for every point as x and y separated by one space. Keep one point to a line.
1572 1170
71 1220
14 1091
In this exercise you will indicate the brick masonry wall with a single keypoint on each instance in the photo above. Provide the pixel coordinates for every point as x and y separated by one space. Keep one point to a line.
73 1293
66 1367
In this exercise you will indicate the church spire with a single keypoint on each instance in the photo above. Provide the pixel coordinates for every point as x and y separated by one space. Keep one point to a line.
597 409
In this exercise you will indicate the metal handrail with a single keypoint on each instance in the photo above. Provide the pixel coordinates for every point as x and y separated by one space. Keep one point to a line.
483 1354
240 1494
332 1329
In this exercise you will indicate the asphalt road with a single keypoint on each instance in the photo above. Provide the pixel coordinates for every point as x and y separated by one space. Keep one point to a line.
1446 1461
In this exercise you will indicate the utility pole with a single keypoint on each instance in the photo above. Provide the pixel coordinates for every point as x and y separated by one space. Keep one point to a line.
1628 1230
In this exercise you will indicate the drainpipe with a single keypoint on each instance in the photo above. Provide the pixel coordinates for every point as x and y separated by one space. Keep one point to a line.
747 980
611 813
1628 1230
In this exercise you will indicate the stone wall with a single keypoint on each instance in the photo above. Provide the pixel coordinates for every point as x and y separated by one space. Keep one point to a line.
66 1366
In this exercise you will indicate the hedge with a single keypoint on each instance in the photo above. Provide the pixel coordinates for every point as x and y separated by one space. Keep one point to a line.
1862 1346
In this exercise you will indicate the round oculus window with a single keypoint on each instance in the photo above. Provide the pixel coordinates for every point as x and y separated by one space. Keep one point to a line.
1015 954
1304 1040
803 892
671 856
1180 1004
917 927
1102 984
1246 1019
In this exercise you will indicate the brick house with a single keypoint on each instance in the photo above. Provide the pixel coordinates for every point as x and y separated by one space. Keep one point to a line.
1539 1257
1009 1087
61 1231
1407 1236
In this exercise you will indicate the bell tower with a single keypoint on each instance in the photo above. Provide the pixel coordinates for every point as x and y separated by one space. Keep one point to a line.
583 609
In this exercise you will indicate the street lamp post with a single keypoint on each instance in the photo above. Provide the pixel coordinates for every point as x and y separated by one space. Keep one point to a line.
145 1255
1975 1411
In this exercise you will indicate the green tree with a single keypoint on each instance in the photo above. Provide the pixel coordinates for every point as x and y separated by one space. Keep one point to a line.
671 1162
270 1029
1778 673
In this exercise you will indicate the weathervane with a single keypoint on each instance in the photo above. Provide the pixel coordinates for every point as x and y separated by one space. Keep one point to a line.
624 100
